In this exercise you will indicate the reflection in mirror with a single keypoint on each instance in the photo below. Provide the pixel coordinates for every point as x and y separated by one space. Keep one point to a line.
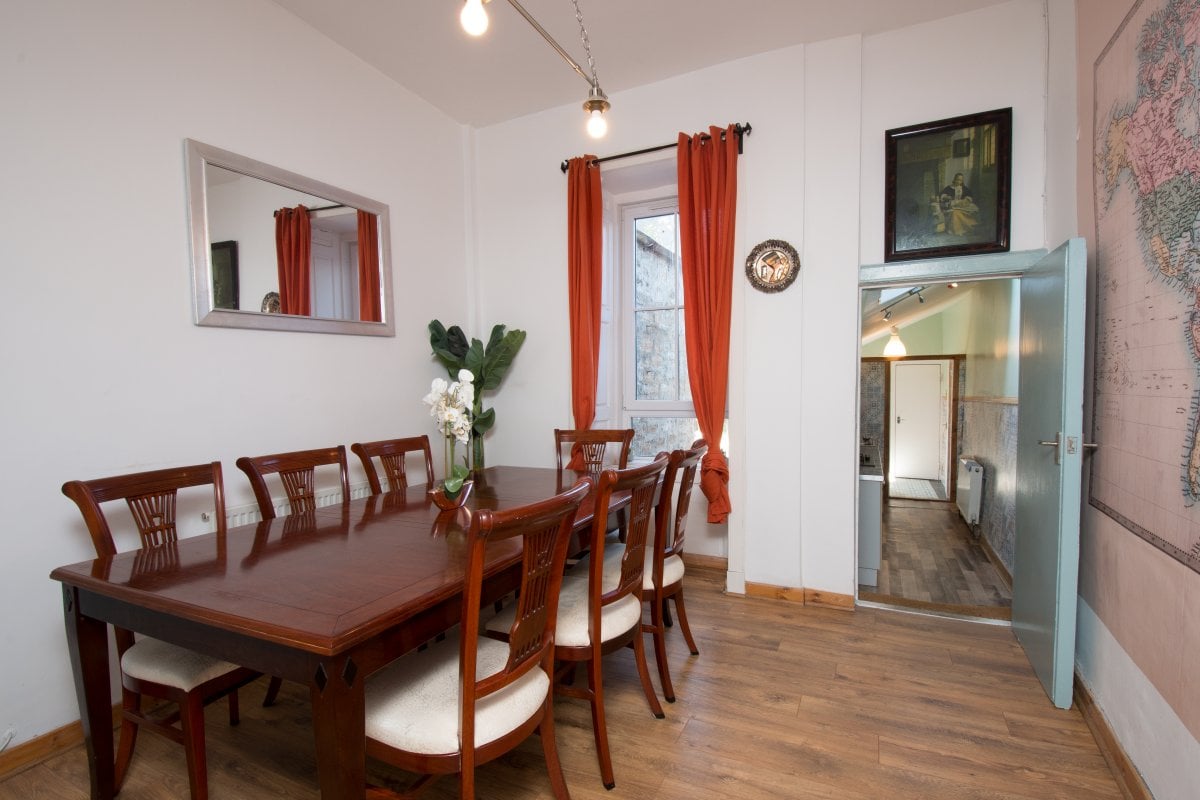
273 249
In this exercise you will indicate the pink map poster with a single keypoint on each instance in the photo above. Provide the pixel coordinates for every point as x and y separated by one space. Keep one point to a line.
1146 411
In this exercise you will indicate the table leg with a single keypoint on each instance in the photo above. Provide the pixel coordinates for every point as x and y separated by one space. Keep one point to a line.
339 729
87 641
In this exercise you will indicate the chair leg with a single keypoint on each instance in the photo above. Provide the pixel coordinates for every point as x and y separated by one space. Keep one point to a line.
272 691
660 650
234 716
550 748
466 776
666 609
639 654
683 623
599 728
131 702
191 720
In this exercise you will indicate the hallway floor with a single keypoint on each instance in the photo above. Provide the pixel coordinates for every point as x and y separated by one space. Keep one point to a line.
932 558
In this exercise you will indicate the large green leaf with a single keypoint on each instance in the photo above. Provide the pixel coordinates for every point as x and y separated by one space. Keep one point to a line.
500 358
495 338
446 346
473 361
484 422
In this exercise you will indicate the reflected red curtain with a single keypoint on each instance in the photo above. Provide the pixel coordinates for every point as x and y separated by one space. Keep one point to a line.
707 167
368 268
293 252
584 277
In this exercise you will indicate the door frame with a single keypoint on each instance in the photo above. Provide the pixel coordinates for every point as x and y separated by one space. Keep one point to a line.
965 268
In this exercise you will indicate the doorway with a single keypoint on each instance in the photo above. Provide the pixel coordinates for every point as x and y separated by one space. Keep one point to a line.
951 396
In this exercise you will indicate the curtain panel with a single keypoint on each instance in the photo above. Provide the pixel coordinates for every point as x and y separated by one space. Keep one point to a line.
707 171
293 253
584 283
368 267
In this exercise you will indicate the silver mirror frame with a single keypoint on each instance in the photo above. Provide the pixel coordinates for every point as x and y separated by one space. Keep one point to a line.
197 156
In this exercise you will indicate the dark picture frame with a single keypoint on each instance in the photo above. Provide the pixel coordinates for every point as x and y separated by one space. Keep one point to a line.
225 275
931 212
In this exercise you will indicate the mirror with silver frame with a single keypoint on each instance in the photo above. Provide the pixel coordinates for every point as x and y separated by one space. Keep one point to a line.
232 203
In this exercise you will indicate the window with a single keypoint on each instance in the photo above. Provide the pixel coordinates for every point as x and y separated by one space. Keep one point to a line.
656 394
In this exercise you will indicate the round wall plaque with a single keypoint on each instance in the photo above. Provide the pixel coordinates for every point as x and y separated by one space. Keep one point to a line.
772 265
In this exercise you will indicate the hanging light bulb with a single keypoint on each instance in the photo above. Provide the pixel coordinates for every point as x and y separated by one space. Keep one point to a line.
895 348
473 17
595 106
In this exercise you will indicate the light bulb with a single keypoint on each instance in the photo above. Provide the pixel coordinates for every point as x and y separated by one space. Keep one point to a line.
473 17
597 125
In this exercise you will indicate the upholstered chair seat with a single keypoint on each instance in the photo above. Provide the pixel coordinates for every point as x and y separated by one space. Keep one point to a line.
413 704
572 625
161 662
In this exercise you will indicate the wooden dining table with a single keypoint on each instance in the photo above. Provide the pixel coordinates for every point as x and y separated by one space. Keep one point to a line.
323 599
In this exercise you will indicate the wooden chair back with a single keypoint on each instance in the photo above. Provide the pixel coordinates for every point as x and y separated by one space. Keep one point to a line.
592 447
297 470
642 485
545 530
390 453
681 471
151 497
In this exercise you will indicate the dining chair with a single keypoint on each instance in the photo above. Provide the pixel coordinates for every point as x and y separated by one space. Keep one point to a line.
151 667
469 699
593 447
390 453
662 580
595 618
297 471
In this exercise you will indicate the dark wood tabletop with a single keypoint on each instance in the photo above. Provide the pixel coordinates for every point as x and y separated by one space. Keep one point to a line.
323 599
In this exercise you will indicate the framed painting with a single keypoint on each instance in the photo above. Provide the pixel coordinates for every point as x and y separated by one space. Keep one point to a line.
225 275
947 187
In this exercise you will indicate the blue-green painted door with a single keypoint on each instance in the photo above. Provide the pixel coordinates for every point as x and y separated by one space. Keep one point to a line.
1049 465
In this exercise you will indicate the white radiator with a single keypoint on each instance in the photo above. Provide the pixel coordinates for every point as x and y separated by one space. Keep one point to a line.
970 489
249 514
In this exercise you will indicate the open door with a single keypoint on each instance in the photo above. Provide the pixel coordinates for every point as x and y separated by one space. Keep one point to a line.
1049 465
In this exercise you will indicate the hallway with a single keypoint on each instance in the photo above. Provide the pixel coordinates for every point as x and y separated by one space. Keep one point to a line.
931 559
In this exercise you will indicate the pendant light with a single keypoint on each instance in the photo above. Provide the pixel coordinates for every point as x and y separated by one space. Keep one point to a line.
474 20
895 348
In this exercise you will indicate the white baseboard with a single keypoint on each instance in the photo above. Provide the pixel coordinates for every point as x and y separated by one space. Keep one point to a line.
1164 751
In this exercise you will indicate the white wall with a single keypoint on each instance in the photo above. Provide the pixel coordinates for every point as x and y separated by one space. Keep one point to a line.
812 174
104 371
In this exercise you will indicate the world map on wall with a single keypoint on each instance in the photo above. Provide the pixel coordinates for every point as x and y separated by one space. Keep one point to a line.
1146 411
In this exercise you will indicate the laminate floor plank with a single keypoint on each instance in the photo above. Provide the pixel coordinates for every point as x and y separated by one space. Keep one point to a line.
784 701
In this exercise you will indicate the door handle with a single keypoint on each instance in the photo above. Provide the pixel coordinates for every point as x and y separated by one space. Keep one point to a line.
1055 445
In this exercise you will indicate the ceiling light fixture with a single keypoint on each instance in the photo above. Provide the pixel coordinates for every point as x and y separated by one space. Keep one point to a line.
895 348
475 21
887 314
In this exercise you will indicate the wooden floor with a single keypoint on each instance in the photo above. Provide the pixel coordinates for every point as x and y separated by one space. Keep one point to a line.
785 701
930 556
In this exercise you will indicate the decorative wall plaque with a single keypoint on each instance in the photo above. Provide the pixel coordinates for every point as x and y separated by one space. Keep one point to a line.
772 265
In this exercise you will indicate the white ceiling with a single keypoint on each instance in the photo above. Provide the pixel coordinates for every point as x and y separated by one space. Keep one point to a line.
511 72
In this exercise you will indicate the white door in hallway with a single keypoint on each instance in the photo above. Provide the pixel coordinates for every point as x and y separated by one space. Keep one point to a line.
916 420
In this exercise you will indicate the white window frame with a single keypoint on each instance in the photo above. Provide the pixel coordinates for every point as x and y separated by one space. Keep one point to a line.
630 406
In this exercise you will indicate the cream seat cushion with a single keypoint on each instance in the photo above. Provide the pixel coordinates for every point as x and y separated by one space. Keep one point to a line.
413 704
571 629
160 662
672 569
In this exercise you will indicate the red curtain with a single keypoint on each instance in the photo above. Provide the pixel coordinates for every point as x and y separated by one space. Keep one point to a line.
293 252
368 268
707 167
584 276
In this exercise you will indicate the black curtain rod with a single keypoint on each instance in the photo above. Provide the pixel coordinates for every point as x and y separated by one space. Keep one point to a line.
740 130
324 208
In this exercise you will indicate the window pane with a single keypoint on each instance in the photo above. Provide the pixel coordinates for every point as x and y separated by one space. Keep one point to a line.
685 386
655 263
656 356
653 435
